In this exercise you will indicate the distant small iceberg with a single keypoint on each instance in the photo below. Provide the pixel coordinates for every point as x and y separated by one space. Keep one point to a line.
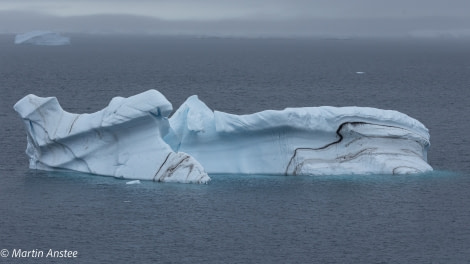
44 38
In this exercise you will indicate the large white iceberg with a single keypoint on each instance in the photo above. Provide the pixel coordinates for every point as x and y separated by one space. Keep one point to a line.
45 38
132 138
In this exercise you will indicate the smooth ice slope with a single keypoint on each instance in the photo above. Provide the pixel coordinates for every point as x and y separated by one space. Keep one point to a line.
45 38
306 141
123 140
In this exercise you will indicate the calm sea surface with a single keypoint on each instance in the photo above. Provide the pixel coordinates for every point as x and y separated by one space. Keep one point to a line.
242 219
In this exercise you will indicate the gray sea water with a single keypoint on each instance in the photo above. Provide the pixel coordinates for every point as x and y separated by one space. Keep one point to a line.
242 219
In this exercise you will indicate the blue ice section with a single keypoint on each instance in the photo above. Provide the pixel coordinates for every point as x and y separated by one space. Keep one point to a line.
301 141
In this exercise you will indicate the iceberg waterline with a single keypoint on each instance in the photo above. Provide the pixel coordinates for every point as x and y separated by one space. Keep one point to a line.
134 138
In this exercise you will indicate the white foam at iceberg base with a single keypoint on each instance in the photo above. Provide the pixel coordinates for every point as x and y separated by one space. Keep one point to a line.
123 140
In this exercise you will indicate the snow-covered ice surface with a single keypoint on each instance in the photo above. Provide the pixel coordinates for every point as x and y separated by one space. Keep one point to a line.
133 138
123 140
46 38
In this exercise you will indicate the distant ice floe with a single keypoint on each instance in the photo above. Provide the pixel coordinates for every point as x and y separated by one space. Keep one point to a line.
134 138
360 72
133 182
44 38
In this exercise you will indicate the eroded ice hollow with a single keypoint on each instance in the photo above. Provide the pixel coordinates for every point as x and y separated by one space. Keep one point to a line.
133 138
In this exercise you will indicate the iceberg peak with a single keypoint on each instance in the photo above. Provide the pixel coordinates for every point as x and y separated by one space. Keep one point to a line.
124 140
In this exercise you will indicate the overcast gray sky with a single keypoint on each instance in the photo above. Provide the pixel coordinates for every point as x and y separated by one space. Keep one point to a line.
239 17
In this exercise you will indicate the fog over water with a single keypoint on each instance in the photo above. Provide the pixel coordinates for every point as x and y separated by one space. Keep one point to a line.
260 18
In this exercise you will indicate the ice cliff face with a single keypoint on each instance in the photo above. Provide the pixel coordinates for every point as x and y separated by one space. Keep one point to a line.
45 38
301 141
133 138
123 140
